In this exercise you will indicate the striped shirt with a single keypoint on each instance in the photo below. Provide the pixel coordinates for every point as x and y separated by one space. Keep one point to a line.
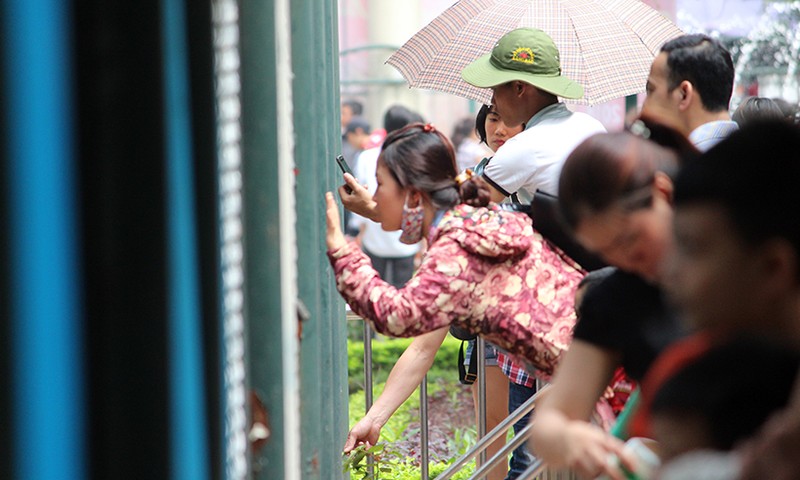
709 134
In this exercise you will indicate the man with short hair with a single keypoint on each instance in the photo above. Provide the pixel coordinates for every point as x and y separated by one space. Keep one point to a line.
524 72
356 135
350 108
689 89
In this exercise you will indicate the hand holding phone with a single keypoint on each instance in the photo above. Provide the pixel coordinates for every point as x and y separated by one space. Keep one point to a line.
345 169
343 165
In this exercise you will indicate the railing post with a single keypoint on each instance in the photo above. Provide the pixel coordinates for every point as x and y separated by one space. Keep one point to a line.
368 384
423 427
480 345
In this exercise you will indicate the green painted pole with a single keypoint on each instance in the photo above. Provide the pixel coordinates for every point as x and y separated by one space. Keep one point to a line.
316 118
338 342
321 360
262 229
310 66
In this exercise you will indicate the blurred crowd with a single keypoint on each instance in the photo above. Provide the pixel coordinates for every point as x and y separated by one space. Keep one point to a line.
692 327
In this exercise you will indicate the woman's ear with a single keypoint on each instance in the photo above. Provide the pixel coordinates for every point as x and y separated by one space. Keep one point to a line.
413 198
663 185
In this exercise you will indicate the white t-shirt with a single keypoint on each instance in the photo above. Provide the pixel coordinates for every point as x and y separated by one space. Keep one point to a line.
533 159
379 242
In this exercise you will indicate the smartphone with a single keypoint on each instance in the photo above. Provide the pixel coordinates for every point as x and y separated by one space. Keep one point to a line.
343 165
345 169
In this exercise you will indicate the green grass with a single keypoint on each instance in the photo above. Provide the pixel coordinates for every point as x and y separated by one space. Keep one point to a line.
390 462
386 351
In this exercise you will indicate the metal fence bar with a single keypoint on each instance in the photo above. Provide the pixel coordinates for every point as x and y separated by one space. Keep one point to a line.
368 387
423 409
480 345
502 455
490 437
423 427
536 468
484 438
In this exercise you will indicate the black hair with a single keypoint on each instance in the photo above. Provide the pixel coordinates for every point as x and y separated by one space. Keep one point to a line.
733 388
398 116
791 111
650 129
480 122
753 175
608 167
421 157
355 124
705 63
355 106
756 108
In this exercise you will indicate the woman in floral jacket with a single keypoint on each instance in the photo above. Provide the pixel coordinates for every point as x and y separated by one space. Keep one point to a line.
486 269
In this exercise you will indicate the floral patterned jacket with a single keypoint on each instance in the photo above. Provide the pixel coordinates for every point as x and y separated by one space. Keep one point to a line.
487 270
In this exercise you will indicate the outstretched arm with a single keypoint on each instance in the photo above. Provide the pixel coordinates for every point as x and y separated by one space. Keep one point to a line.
562 435
404 378
406 312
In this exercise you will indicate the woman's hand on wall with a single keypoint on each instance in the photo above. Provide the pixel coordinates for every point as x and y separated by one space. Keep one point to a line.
334 236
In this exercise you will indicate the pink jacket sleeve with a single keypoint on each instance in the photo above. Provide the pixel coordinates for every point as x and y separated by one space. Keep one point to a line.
436 295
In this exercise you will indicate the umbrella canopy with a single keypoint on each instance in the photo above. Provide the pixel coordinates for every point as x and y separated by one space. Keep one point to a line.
605 45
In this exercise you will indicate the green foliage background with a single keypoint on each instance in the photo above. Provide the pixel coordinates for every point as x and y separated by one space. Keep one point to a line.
386 351
442 376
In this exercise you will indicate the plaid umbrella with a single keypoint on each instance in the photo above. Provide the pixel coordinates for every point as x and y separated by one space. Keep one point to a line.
605 45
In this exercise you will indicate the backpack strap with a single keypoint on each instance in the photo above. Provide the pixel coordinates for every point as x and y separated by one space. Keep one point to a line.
467 374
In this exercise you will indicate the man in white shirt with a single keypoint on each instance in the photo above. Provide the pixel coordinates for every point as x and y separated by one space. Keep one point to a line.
524 72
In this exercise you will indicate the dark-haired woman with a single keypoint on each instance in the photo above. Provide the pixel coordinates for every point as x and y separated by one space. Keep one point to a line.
486 269
418 357
615 192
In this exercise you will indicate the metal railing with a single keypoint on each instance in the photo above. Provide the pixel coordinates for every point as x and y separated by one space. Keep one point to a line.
536 470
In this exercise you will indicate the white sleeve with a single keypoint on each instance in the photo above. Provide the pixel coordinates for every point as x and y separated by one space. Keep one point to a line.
511 167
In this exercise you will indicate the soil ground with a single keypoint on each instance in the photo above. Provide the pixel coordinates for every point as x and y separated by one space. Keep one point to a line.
449 411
